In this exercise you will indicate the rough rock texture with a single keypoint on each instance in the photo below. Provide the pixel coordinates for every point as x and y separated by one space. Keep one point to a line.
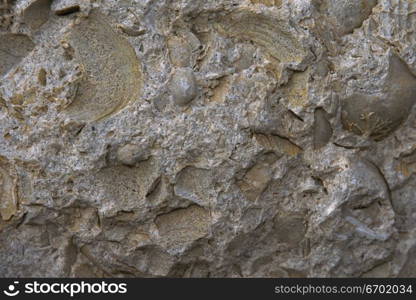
194 138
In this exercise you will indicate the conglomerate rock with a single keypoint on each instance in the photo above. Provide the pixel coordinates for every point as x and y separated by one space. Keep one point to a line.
195 138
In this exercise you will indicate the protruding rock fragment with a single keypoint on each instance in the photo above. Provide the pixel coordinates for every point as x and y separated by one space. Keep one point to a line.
257 177
130 154
179 52
125 187
181 227
112 75
289 229
182 86
380 114
322 130
37 13
347 15
42 77
273 35
268 2
65 7
13 48
8 190
195 184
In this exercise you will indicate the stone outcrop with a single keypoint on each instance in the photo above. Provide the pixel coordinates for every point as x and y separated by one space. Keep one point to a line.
191 138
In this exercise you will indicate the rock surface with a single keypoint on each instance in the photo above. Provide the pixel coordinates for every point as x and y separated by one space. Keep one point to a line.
191 138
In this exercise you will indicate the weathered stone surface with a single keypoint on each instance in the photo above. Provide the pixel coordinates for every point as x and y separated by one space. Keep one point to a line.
322 129
183 226
182 86
347 15
13 48
131 154
378 115
36 13
190 138
8 189
111 71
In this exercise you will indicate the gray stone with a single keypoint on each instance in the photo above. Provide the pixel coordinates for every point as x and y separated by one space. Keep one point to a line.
191 138
182 86
131 154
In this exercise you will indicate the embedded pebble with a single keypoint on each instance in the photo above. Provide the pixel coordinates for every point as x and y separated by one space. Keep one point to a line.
183 86
131 154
